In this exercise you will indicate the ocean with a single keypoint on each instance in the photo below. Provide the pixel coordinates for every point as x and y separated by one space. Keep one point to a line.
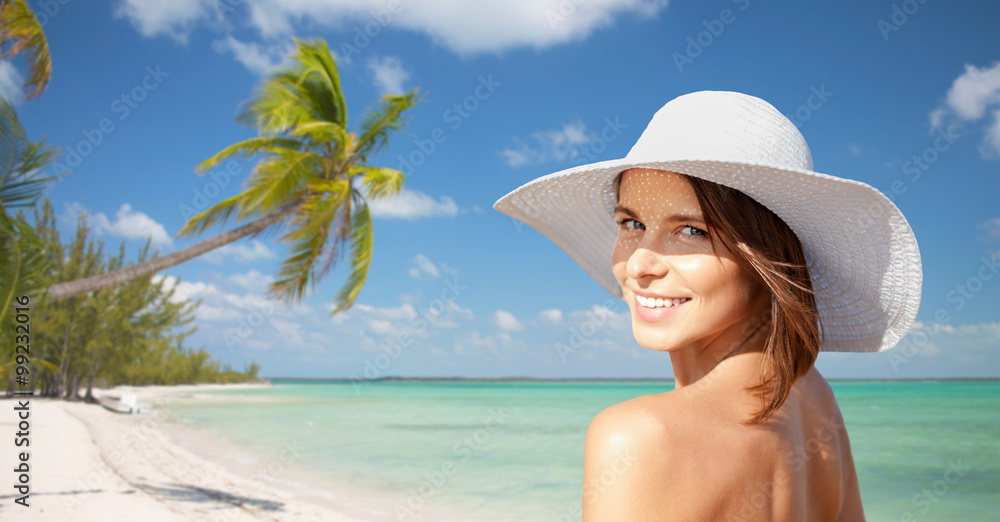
511 450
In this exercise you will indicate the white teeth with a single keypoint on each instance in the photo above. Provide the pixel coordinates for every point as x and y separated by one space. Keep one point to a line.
658 302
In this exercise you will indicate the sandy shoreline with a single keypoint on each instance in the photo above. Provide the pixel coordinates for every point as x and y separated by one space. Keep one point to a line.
90 464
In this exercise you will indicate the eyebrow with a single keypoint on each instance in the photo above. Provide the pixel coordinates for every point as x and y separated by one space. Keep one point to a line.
676 217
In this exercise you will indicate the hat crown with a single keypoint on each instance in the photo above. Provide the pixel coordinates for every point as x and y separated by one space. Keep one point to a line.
722 126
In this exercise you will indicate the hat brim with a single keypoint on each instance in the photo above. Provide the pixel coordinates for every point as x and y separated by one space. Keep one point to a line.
860 251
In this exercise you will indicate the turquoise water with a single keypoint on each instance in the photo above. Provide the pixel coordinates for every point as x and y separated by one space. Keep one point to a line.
514 450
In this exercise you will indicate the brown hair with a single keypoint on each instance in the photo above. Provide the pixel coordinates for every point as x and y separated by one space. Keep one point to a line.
768 249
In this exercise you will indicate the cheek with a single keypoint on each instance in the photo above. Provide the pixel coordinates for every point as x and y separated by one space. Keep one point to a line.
619 258
740 288
718 280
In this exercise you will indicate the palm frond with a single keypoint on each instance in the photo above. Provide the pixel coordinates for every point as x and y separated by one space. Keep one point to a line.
19 32
216 214
21 162
310 234
250 147
361 258
276 107
297 271
320 82
387 117
380 182
277 179
322 132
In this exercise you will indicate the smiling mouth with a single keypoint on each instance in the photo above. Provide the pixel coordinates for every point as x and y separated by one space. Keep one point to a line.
650 302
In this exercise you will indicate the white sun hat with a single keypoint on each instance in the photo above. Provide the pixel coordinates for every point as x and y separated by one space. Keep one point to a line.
860 252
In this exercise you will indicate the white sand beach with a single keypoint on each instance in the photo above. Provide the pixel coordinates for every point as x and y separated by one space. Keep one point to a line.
90 464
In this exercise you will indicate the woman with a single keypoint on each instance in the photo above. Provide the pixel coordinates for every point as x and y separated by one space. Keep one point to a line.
742 263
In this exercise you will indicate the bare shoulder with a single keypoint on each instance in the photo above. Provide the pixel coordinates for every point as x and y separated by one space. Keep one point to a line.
626 458
829 434
685 455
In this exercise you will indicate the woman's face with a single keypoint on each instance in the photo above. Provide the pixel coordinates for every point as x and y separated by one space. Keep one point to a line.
663 254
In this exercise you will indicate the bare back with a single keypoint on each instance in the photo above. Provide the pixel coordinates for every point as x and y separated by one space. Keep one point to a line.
795 466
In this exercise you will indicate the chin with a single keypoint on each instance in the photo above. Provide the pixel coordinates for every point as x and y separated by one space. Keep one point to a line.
650 339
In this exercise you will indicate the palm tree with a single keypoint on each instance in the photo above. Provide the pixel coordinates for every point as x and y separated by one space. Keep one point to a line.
20 32
22 256
312 178
22 253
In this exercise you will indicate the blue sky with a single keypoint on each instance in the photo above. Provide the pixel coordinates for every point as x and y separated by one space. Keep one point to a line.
142 91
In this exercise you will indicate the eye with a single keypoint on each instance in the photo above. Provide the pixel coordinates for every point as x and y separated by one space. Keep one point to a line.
626 224
688 230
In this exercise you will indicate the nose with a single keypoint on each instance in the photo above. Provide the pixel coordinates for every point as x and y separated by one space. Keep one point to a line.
645 263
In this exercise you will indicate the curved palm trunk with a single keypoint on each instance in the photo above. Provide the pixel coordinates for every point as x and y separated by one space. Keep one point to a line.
128 273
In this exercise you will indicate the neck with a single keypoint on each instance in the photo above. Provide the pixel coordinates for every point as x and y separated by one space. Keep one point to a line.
701 364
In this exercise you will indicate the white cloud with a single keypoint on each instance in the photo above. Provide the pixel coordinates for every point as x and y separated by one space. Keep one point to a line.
551 145
425 269
11 82
991 235
289 331
404 311
128 224
382 327
553 316
388 74
451 316
474 338
464 28
216 314
991 230
600 316
252 281
993 135
260 59
411 204
970 343
854 148
973 96
175 18
975 90
186 290
507 321
239 252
